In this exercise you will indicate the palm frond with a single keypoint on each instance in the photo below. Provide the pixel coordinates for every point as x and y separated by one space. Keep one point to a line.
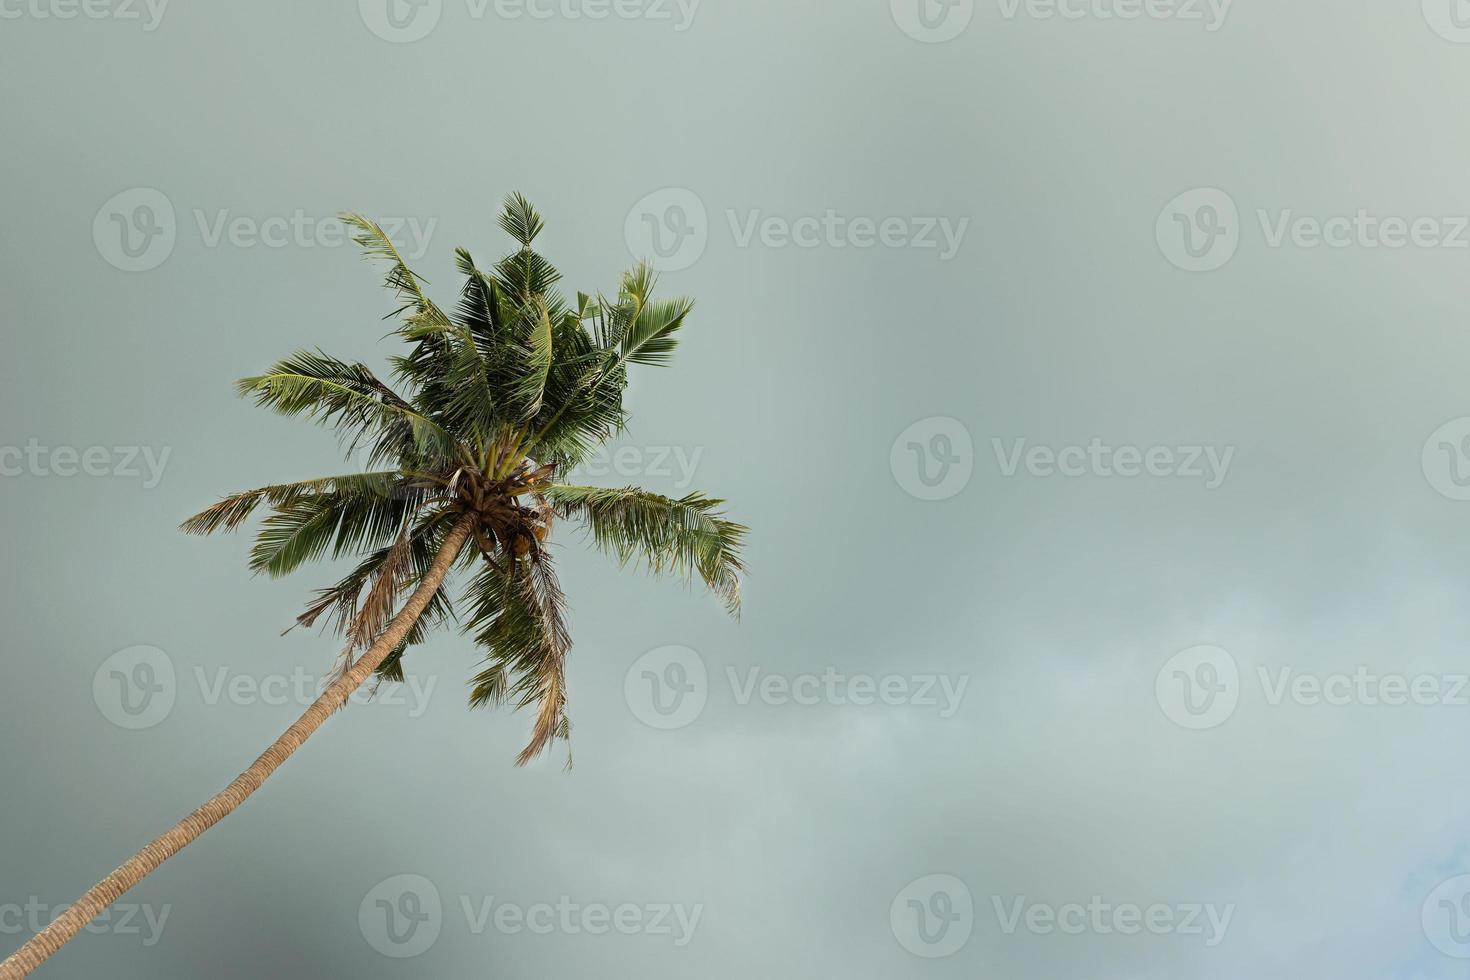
235 509
520 220
686 536
531 387
525 273
377 608
350 399
296 533
405 283
462 397
307 528
340 602
479 303
646 332
585 386
579 412
517 616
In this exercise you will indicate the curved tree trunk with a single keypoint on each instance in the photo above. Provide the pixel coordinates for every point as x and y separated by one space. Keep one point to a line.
108 890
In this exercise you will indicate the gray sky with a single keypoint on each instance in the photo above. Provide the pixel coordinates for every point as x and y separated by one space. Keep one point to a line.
1094 385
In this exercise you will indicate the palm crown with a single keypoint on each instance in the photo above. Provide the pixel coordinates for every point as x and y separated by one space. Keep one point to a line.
493 403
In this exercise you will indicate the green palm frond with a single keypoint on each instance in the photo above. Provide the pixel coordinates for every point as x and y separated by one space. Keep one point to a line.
686 536
405 283
382 596
301 531
531 389
350 399
517 616
647 334
520 220
525 273
462 397
480 303
340 602
306 529
235 509
583 404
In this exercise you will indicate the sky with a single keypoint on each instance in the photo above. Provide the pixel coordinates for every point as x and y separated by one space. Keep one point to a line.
1091 374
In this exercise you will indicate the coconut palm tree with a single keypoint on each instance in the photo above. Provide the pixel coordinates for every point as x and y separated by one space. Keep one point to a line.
494 402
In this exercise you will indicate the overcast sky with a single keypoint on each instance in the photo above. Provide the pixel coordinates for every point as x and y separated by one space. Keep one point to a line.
1092 375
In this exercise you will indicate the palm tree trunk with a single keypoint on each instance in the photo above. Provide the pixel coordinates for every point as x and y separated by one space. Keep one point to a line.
109 889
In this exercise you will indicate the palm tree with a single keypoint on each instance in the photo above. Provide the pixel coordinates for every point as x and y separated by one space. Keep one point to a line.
497 401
